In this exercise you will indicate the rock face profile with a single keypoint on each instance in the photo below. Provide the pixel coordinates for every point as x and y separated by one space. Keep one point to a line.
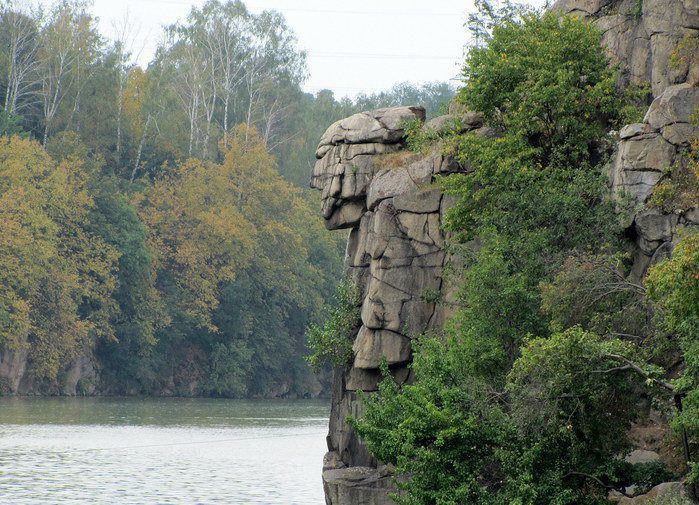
396 256
396 251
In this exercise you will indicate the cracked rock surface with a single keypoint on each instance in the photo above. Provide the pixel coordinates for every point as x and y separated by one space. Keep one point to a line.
395 254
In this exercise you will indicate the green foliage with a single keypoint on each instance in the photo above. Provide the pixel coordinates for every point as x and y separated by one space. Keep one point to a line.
682 54
510 406
10 124
461 441
230 367
637 9
443 431
490 13
547 83
56 276
499 307
679 188
331 341
418 138
566 388
637 97
648 475
592 290
673 288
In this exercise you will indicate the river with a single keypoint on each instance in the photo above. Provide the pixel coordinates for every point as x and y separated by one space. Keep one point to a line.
106 451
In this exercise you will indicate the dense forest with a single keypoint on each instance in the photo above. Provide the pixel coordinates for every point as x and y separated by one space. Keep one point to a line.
155 221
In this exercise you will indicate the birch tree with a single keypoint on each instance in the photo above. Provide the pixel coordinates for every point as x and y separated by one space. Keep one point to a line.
69 45
20 37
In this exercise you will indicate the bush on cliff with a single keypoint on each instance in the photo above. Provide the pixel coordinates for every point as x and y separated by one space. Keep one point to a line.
547 437
331 341
497 416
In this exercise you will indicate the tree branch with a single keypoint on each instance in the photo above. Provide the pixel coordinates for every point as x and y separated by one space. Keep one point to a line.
632 366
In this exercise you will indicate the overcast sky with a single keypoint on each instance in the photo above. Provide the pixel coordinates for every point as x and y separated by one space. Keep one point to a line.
353 46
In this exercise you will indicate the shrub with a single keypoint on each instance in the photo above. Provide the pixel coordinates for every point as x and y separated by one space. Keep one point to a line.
331 342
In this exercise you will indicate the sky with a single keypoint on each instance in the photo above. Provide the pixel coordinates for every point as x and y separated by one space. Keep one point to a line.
355 46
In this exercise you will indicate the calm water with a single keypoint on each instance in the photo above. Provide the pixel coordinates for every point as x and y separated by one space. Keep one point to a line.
160 451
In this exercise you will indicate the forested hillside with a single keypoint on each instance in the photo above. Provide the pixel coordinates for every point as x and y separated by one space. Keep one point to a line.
156 236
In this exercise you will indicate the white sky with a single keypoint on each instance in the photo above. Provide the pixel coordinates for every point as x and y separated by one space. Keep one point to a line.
353 46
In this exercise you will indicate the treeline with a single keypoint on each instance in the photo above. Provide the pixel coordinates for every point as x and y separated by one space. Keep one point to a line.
153 220
222 67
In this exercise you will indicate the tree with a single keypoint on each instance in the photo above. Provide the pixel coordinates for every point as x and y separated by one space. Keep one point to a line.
20 31
544 437
508 407
69 45
57 276
673 287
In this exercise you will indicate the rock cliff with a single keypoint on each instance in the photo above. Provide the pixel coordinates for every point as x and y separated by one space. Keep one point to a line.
396 256
653 42
396 250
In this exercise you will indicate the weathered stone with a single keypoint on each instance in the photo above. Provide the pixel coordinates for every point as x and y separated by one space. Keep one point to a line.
420 202
675 105
372 346
641 456
390 182
667 492
381 125
345 216
396 251
692 215
633 130
356 254
638 185
448 122
653 225
457 122
81 374
680 134
358 485
641 42
13 365
649 152
395 255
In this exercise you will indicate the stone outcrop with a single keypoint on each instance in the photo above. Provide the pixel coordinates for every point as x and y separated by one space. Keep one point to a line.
396 249
641 35
644 154
654 42
667 492
15 377
396 256
13 365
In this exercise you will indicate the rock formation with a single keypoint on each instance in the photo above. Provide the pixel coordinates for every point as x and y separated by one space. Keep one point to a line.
396 249
395 255
641 37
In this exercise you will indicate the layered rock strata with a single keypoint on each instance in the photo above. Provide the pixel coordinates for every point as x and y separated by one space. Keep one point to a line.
644 156
641 36
396 256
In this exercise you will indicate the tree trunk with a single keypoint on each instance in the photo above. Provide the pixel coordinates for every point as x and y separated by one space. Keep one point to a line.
140 150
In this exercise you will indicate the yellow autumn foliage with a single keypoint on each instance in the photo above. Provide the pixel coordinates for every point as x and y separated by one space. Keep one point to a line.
56 278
